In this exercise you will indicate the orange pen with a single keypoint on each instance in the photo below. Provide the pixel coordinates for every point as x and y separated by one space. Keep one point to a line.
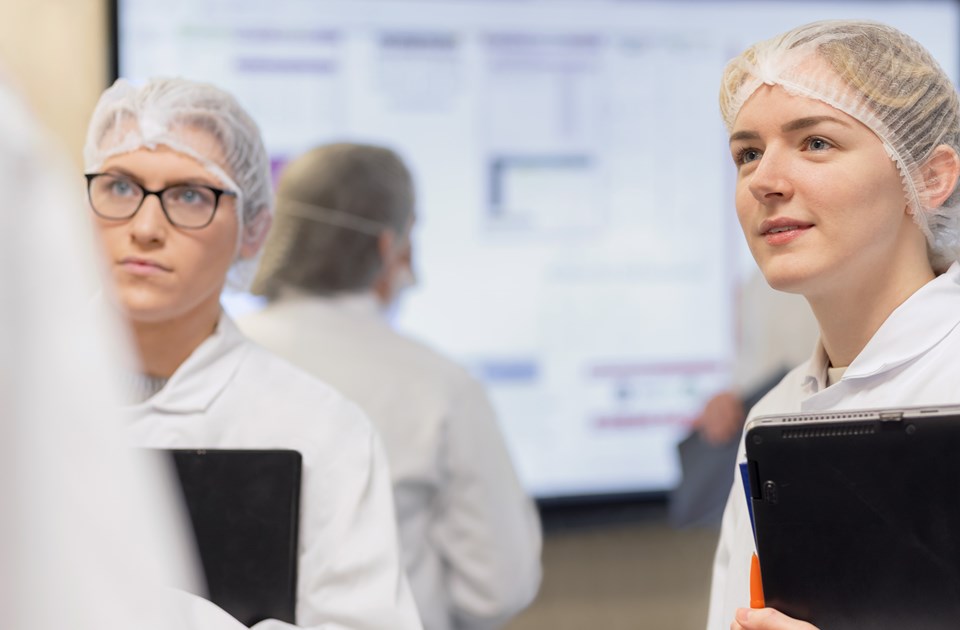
756 584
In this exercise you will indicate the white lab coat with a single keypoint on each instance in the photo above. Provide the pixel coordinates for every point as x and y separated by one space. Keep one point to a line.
231 393
89 534
913 359
471 536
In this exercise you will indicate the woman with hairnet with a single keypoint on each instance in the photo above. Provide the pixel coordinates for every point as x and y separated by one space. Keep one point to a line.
88 538
845 137
179 189
336 261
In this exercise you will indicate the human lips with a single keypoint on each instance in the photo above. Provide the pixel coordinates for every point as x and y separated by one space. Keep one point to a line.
782 230
142 266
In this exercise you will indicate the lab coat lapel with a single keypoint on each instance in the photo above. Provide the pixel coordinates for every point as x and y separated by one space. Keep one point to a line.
913 328
916 326
205 373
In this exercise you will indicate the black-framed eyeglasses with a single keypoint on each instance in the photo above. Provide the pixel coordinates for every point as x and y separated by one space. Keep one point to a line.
188 206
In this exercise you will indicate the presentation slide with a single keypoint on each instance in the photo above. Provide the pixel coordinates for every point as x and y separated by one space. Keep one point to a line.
576 242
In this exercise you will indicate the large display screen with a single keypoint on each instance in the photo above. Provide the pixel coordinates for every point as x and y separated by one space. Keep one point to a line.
576 241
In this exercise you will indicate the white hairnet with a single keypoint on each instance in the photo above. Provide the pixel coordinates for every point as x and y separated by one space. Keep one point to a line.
882 78
127 118
89 530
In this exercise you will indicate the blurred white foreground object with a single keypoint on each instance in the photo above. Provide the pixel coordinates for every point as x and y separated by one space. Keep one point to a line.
91 533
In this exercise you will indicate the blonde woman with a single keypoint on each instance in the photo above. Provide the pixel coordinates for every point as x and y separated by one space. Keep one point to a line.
179 189
845 137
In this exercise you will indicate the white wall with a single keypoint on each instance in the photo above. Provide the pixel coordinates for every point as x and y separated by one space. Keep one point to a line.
56 51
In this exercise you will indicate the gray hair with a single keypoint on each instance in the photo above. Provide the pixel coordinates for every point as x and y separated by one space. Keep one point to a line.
332 204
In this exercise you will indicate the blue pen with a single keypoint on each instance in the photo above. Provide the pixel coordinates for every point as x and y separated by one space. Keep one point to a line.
745 478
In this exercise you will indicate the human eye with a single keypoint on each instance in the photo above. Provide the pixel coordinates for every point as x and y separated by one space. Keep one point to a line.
746 155
816 143
190 196
119 187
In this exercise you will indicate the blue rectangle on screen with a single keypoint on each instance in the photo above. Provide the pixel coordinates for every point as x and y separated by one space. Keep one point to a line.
508 371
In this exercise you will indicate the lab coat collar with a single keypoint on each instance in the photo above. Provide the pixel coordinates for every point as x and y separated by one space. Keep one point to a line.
815 378
917 325
205 373
356 303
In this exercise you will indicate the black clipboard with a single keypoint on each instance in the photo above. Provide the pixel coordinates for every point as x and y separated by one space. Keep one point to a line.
857 516
244 506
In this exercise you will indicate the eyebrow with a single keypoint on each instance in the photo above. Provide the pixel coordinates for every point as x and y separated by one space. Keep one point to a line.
793 125
803 123
190 181
744 135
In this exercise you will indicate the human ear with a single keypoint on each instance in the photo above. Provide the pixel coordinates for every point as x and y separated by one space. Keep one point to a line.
255 233
940 173
385 247
381 283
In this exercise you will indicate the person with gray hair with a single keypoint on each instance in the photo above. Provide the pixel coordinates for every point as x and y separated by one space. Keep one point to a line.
352 232
338 258
845 136
179 192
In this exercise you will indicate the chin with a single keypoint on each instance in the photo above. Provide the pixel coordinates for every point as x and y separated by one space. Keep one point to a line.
146 314
786 277
145 308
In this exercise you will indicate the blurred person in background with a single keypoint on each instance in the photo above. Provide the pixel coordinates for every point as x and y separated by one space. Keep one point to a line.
776 333
179 191
91 535
336 262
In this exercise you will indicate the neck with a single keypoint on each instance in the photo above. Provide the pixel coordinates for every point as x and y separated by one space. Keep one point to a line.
164 346
381 289
850 317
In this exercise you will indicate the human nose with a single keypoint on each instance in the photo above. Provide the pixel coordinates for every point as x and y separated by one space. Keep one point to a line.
149 224
770 180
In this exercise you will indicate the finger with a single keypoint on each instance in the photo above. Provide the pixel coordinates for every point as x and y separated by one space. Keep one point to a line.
768 619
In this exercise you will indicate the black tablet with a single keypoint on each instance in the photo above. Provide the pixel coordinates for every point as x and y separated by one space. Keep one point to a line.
244 506
857 516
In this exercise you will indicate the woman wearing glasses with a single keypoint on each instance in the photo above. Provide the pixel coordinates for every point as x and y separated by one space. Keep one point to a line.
179 185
